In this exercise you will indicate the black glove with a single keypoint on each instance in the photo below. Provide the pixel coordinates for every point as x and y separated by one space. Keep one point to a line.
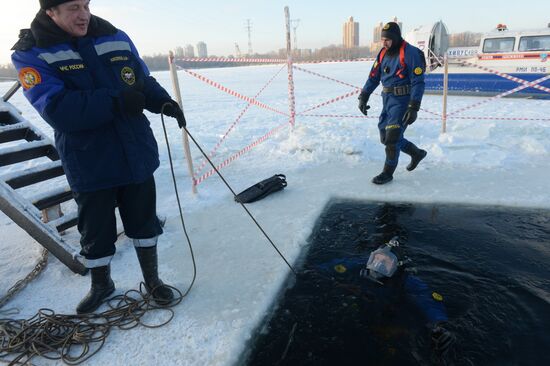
132 101
442 341
172 109
363 100
412 112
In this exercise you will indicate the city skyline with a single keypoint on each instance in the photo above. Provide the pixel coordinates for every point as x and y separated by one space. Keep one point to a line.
160 27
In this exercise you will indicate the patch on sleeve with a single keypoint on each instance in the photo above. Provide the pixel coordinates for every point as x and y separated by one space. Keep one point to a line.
128 75
418 71
29 77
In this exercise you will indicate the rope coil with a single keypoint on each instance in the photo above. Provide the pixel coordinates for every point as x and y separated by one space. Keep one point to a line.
73 339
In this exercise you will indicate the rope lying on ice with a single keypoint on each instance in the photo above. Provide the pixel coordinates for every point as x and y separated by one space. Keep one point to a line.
75 338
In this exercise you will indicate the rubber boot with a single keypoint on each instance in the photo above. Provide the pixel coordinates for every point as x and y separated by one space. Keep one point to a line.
102 287
416 155
148 260
386 175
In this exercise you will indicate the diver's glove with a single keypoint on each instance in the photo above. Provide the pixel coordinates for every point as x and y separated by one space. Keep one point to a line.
363 100
133 101
412 112
172 109
443 341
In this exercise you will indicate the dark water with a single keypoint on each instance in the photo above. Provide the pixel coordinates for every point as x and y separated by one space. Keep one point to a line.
491 265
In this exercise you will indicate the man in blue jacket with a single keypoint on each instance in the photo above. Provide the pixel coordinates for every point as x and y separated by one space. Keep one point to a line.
400 67
86 79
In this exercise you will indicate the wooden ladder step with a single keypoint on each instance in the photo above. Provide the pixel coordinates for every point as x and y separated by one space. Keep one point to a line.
64 222
19 131
34 175
6 118
27 151
51 198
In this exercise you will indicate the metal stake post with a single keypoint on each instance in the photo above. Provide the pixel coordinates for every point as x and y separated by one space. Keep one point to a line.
291 99
177 92
445 92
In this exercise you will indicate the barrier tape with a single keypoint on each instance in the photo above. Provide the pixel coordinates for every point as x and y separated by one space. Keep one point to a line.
204 161
325 77
365 59
503 118
235 60
506 76
333 100
337 116
235 156
234 93
501 95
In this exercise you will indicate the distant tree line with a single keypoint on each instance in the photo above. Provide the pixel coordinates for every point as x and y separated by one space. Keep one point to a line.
7 72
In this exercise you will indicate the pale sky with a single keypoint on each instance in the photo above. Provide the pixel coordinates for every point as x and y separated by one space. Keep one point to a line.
161 25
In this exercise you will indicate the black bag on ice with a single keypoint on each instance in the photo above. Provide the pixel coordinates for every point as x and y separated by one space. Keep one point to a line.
262 189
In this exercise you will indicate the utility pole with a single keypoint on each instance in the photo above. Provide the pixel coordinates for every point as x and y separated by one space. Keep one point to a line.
249 30
294 23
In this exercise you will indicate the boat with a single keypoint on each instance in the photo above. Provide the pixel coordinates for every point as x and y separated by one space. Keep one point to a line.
503 60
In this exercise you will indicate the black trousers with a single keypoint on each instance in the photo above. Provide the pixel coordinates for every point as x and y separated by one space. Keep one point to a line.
97 220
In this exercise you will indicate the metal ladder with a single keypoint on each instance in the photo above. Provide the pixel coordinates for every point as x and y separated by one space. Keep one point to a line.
38 212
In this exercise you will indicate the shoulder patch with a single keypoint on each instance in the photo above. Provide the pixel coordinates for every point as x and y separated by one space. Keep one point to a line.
29 77
128 76
418 71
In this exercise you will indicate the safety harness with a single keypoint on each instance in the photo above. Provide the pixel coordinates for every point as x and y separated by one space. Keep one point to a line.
381 55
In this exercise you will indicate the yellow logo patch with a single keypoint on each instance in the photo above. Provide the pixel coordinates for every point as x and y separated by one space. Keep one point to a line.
340 268
387 26
128 75
29 77
418 71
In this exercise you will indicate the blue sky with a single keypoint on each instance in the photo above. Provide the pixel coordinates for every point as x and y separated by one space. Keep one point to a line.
157 26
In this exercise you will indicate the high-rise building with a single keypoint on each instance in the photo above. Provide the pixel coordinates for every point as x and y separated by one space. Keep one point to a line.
201 50
351 33
376 44
179 52
189 51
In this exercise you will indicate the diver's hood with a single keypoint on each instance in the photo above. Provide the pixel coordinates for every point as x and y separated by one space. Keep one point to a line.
382 263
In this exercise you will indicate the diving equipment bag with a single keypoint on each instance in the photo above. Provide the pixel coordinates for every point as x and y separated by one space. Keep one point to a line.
262 189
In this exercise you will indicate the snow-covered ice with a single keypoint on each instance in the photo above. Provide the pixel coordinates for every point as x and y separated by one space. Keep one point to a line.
481 162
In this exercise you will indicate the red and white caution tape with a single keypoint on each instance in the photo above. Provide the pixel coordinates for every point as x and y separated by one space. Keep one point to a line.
203 163
237 155
235 60
333 100
501 95
325 77
503 118
336 61
234 93
337 116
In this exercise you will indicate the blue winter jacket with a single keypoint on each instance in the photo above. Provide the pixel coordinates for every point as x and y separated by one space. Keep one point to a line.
75 84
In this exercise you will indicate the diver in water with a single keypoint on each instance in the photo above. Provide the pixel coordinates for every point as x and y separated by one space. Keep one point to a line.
385 278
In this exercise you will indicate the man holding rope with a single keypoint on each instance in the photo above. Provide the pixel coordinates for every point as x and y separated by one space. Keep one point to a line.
87 80
400 67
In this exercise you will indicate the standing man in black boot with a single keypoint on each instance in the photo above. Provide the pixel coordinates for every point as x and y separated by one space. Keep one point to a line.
400 66
86 79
